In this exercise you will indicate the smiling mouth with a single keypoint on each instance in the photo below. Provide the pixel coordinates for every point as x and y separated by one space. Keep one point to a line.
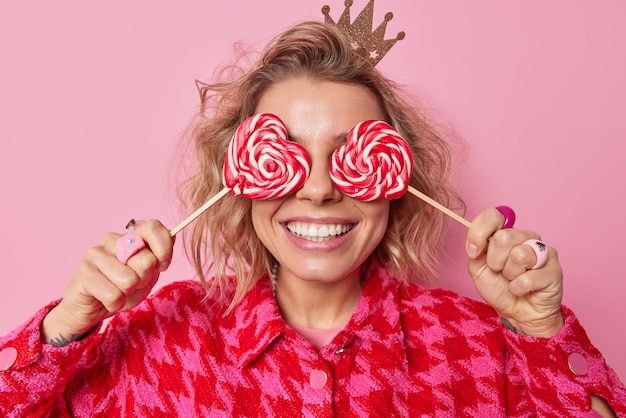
318 232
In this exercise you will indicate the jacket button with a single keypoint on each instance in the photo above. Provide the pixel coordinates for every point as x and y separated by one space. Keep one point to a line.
7 358
578 364
318 379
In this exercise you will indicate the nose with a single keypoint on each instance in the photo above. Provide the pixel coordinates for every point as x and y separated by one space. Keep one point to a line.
318 187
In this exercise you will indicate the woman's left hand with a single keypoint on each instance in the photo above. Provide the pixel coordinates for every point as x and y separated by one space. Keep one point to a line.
501 267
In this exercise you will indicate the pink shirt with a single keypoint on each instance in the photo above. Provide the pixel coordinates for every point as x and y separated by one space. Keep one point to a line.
319 337
407 351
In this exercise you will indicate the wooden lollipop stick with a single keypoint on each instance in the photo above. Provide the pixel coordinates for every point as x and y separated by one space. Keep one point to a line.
225 190
439 206
199 211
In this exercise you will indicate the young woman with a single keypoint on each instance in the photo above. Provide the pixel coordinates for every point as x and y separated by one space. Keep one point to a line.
311 307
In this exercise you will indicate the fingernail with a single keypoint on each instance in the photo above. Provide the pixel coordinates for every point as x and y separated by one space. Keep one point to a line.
164 265
472 250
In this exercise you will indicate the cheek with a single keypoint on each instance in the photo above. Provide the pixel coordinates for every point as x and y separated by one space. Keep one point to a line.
382 224
257 213
262 213
378 215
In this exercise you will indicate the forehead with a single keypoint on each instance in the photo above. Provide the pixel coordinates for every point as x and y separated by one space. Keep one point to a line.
315 110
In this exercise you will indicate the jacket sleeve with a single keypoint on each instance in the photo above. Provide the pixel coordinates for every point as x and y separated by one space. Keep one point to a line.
559 374
33 375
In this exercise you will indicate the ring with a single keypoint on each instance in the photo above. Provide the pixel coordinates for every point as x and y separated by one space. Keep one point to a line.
129 244
509 216
541 251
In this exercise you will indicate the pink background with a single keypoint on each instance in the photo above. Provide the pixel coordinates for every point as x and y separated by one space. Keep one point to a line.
93 96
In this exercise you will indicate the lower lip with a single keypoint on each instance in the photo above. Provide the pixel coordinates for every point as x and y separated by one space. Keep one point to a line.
326 245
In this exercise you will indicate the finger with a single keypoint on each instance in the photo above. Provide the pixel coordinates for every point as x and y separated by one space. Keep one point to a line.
523 257
117 286
144 265
139 294
123 289
159 240
503 245
137 273
111 297
140 272
541 252
550 276
124 277
93 283
482 227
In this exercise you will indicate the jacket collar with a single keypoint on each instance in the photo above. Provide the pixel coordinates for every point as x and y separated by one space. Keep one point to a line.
256 321
253 325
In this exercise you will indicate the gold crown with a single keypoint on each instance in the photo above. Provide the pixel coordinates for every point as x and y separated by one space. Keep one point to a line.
372 45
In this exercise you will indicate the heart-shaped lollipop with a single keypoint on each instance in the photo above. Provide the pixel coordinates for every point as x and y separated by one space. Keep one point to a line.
374 163
261 162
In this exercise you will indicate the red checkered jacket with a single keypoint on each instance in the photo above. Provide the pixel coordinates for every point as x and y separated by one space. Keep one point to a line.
408 351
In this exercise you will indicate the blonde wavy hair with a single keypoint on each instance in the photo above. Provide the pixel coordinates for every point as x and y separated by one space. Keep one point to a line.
222 241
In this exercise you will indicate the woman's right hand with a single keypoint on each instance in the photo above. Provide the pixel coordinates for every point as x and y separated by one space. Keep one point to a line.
102 286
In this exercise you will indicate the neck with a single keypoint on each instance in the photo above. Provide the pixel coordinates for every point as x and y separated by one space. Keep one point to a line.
315 304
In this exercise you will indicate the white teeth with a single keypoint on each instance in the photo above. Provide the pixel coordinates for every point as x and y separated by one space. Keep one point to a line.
317 232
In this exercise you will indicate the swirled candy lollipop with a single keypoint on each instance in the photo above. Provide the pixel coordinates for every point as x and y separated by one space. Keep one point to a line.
374 163
262 163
